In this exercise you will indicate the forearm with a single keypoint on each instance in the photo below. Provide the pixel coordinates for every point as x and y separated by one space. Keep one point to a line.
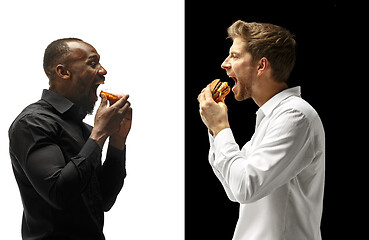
255 172
113 175
211 157
117 142
243 181
99 136
87 160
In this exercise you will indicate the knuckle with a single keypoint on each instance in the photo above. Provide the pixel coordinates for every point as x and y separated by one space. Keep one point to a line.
125 97
207 104
202 107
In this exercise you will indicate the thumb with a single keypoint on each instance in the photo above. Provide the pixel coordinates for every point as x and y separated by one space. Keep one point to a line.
222 101
207 93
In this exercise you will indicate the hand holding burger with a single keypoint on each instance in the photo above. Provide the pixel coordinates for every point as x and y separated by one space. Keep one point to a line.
113 121
118 139
213 110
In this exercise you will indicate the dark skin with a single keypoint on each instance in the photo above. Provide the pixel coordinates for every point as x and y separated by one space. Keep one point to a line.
77 79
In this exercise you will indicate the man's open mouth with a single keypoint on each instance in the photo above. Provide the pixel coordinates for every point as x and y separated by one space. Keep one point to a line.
235 81
94 92
99 80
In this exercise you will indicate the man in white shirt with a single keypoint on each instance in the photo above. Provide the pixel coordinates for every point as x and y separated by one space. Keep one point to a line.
277 176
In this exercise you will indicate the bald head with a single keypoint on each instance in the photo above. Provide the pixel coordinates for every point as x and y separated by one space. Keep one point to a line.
55 54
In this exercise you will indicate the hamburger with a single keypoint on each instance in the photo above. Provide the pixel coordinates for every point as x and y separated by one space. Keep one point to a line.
219 90
110 96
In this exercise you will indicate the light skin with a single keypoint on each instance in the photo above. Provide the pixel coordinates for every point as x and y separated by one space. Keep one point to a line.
77 79
253 79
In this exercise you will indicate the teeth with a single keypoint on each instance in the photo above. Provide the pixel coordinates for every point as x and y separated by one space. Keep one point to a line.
234 78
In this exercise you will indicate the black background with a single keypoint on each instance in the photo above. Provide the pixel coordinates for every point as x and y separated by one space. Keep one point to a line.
326 53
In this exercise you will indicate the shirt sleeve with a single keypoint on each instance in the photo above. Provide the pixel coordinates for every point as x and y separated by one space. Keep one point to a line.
216 172
56 179
285 150
113 175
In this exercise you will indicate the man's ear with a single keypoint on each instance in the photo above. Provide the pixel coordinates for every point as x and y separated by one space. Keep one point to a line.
62 71
262 65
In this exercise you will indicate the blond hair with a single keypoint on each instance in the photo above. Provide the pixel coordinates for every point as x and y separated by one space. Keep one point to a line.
267 40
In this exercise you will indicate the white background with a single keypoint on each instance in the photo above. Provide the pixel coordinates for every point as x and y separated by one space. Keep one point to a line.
141 44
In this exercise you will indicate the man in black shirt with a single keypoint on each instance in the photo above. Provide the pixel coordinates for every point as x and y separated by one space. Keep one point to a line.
56 157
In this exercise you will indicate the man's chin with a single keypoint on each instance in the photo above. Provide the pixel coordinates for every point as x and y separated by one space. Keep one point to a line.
89 111
90 108
87 105
240 97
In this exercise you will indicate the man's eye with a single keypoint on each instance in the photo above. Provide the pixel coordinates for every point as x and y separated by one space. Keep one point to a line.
93 64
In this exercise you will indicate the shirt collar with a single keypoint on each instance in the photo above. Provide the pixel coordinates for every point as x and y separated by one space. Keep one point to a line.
272 103
63 105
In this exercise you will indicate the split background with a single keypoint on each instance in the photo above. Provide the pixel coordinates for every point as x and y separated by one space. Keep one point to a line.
176 47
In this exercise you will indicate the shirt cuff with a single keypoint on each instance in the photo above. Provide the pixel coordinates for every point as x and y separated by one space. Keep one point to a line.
115 154
87 160
224 146
223 137
92 151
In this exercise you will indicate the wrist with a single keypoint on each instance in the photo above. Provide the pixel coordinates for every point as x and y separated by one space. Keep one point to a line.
219 129
117 142
99 137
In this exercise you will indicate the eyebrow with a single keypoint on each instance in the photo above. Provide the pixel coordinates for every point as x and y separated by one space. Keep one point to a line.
234 52
94 56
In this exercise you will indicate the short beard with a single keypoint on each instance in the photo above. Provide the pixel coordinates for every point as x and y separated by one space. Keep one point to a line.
84 101
86 105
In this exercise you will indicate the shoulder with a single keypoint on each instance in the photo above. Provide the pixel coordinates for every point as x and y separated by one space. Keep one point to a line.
296 113
39 115
297 106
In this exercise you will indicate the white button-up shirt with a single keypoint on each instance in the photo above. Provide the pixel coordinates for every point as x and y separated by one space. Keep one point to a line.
278 176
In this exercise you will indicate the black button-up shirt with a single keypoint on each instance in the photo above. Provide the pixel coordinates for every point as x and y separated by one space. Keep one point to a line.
64 186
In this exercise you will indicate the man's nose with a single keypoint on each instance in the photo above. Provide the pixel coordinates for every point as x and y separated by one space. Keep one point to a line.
102 71
225 64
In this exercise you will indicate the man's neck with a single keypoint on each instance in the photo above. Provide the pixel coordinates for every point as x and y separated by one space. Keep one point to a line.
266 91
